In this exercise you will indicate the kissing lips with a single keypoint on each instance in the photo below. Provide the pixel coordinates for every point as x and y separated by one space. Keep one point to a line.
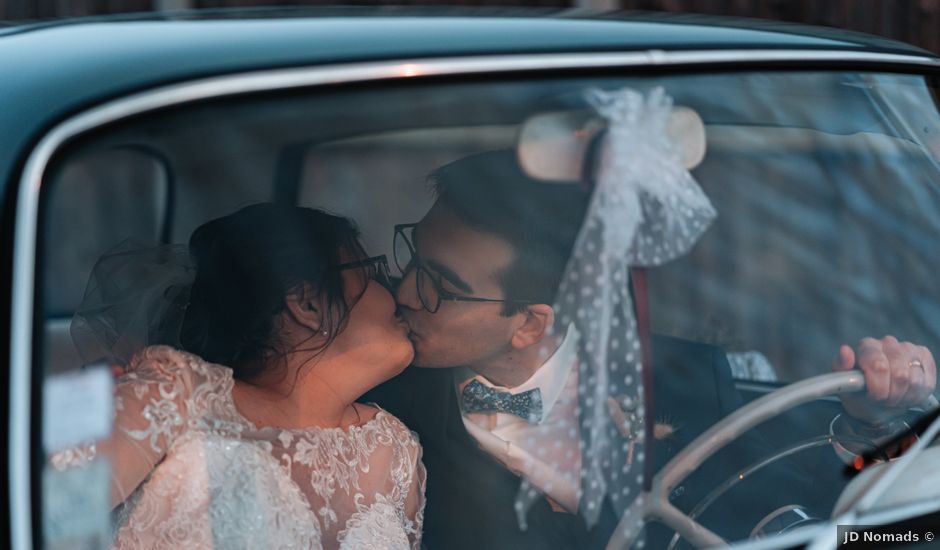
403 323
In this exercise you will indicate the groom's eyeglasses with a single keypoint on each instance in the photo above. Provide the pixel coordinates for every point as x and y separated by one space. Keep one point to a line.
375 268
430 291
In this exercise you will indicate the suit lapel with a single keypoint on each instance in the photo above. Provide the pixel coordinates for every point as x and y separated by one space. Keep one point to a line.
460 438
471 495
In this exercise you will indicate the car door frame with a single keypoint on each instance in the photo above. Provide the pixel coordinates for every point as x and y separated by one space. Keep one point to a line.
24 388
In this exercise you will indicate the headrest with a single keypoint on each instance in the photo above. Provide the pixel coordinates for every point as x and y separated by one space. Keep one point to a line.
552 145
98 199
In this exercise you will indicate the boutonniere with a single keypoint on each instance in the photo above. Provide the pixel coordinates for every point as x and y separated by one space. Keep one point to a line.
626 416
628 419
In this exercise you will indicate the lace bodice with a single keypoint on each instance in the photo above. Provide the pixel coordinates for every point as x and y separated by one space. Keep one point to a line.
197 474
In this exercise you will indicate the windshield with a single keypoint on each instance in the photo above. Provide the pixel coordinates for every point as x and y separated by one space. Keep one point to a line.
507 374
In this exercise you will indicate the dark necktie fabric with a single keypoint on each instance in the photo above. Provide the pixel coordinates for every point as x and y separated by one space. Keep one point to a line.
478 397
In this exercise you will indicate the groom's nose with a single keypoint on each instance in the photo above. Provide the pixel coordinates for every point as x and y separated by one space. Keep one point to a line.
406 293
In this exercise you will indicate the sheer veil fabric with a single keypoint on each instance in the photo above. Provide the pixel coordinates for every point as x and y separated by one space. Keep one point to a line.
136 296
646 209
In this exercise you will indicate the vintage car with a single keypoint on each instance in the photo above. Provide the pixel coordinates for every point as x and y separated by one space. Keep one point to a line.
819 150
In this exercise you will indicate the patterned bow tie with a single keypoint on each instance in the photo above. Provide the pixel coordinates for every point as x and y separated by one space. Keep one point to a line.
478 397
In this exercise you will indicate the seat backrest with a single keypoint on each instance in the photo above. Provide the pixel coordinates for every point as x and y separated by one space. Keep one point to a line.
382 181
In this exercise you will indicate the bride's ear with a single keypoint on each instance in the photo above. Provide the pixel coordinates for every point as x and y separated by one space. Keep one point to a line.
303 305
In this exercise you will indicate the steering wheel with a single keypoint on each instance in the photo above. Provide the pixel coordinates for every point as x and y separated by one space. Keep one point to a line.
655 505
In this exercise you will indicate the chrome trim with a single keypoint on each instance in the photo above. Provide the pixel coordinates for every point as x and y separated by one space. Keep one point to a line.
783 56
256 81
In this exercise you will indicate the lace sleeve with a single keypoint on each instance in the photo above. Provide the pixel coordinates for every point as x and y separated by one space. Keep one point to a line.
414 500
151 408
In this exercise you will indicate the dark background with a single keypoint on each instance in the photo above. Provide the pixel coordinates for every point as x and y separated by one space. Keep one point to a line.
913 21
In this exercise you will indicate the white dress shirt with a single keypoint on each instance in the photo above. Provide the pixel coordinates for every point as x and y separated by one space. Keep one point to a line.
545 452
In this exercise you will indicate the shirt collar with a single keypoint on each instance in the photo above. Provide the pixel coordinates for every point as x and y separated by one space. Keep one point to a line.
550 378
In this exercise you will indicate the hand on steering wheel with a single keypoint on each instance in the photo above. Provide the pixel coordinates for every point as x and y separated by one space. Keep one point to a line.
656 505
898 375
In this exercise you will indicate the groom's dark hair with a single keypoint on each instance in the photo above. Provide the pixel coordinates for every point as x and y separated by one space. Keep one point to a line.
540 220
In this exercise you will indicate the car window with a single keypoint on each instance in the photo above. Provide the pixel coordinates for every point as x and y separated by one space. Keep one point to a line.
101 198
825 199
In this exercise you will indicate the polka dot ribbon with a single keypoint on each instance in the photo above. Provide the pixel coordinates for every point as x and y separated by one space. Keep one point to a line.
646 209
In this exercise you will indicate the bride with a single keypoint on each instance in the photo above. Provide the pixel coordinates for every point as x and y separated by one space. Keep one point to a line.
251 437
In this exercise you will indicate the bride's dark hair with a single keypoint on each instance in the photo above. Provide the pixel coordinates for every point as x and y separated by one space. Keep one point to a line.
246 263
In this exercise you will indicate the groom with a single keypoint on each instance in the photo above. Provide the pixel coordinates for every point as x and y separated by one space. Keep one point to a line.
480 272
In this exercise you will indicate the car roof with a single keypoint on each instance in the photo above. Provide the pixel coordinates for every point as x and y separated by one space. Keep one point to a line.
469 29
54 69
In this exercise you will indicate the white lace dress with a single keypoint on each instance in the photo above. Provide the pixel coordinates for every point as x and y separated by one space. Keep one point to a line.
200 475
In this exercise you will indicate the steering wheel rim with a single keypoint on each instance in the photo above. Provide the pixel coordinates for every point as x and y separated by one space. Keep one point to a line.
657 506
762 463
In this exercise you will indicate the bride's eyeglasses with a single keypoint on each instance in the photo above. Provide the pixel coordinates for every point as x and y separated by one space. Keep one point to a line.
375 269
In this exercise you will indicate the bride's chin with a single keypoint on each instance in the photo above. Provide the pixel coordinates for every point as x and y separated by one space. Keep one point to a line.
408 355
397 353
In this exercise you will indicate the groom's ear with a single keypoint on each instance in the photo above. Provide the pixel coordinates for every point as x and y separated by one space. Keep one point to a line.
303 305
536 320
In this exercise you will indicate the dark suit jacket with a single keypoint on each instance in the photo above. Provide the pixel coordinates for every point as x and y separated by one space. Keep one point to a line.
470 495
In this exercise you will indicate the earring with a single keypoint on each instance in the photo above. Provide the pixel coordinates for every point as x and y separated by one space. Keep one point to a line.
325 333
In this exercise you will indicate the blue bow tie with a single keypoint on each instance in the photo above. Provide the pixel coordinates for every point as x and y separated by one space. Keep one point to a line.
478 397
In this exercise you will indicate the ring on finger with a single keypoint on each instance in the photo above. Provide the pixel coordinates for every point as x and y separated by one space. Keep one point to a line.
916 364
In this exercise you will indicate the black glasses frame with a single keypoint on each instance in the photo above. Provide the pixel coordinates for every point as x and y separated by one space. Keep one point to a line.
440 291
382 273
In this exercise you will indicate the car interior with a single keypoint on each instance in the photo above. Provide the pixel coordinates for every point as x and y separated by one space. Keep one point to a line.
815 214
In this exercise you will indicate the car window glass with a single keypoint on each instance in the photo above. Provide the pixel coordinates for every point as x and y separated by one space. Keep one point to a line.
825 188
101 198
